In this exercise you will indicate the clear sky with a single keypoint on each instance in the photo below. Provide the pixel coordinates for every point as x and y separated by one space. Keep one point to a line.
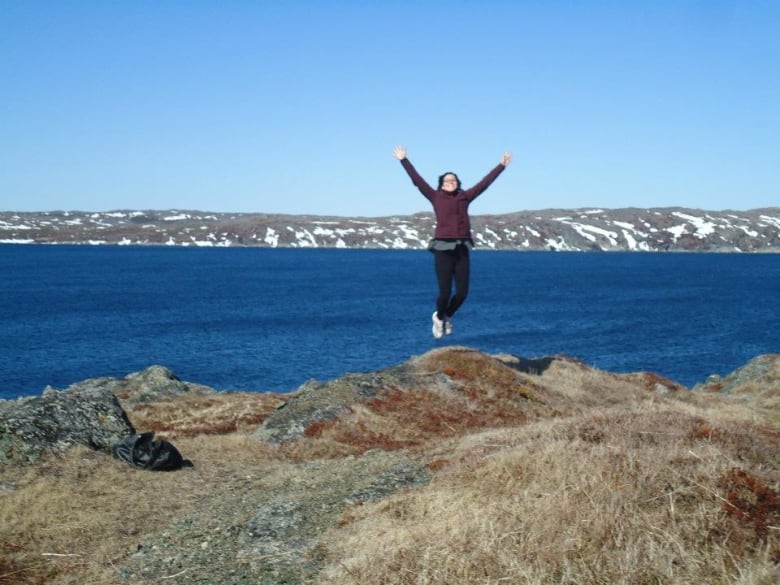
295 106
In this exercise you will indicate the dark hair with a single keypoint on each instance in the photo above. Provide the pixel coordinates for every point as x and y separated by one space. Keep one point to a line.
441 180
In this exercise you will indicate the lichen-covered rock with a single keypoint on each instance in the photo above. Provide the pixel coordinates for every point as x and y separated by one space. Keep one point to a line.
763 368
446 391
757 383
315 402
57 420
149 385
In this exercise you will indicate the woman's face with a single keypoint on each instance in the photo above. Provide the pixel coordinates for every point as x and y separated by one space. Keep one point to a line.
449 183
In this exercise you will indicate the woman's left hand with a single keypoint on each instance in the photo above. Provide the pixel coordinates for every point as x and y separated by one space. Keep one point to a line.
506 159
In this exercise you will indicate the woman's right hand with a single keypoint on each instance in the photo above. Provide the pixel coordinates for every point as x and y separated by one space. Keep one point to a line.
399 152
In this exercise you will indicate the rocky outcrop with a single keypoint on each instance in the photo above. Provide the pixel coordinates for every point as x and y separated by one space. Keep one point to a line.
90 413
756 383
260 503
446 392
58 420
316 403
632 229
153 384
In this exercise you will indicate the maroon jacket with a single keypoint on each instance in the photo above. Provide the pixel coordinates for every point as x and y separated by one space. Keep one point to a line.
452 209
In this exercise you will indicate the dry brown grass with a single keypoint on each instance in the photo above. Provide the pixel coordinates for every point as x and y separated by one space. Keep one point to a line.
73 519
190 415
574 477
71 515
645 499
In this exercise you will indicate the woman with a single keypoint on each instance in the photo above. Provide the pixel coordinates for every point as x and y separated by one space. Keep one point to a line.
452 239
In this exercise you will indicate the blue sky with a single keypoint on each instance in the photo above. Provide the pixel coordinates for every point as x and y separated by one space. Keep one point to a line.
295 107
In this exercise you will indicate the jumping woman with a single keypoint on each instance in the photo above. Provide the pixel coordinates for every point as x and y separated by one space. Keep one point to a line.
452 239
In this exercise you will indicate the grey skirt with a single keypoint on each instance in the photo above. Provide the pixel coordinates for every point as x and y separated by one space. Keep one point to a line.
442 245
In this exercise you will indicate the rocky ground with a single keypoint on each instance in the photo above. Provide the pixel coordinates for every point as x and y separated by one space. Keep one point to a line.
273 473
663 229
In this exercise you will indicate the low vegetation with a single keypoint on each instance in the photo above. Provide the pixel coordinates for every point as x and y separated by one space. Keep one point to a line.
565 475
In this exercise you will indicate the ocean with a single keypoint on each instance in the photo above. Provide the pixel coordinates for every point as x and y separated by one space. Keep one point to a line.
260 319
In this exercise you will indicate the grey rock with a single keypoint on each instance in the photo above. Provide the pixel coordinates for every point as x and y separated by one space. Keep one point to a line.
152 384
763 368
315 402
89 413
319 402
57 420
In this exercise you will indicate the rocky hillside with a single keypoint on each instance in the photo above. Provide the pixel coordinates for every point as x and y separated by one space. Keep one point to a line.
454 467
665 229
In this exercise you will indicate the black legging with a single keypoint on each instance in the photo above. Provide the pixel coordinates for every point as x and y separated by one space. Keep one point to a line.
451 265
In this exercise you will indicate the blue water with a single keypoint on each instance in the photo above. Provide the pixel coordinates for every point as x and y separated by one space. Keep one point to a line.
270 319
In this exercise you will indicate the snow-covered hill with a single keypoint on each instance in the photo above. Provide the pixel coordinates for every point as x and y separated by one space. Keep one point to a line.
631 229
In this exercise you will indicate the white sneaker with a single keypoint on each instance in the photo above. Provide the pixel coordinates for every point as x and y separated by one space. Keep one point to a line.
447 325
438 326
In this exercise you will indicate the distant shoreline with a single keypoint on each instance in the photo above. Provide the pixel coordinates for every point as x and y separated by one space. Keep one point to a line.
575 230
378 249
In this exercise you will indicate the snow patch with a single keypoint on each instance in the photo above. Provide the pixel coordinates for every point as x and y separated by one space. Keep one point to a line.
271 237
702 226
560 245
677 230
7 226
773 221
